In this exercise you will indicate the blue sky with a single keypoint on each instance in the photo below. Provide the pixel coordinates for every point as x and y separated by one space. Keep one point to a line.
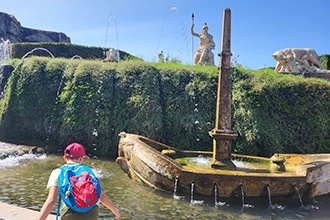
145 27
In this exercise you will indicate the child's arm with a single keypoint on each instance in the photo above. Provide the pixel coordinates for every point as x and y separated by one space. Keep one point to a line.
107 203
49 203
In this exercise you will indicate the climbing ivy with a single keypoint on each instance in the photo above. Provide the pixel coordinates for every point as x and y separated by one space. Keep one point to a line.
56 101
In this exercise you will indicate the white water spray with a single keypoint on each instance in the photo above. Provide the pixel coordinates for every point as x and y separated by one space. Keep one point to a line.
175 196
216 202
10 155
112 18
5 50
184 34
35 49
192 200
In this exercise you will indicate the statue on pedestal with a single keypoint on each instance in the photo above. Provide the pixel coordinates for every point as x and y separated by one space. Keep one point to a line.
204 54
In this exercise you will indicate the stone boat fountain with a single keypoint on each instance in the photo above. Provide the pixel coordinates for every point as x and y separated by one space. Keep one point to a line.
164 167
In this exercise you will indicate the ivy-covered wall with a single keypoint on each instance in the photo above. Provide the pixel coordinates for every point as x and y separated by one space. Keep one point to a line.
281 113
55 101
58 101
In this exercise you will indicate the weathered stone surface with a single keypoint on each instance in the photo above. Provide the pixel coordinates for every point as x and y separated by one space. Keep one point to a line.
11 212
297 60
11 28
143 159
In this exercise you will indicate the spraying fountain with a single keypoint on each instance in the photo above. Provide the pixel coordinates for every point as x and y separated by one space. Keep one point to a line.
230 175
166 52
112 55
5 57
5 50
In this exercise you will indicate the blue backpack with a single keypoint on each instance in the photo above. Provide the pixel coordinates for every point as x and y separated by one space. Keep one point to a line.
79 188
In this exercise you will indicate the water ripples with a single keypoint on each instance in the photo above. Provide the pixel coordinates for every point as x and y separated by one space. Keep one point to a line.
25 186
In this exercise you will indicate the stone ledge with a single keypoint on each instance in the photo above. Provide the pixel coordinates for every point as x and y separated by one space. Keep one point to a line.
11 212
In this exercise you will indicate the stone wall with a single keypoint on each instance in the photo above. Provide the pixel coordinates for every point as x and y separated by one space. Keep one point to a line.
11 28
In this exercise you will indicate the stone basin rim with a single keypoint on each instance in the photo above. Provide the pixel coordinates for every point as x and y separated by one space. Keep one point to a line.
142 159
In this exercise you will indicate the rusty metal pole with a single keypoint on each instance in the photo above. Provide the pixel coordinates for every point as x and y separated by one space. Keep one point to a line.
222 134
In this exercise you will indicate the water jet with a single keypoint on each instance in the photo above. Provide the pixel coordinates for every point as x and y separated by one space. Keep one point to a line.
175 196
112 17
169 52
5 50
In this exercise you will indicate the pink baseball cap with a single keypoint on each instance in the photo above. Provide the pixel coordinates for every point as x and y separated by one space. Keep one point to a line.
75 150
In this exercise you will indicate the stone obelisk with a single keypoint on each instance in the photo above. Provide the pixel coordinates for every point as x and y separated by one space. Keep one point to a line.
222 134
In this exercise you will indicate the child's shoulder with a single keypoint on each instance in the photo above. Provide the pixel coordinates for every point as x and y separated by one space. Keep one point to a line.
56 171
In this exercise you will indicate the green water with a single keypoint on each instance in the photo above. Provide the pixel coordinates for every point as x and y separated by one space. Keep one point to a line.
25 186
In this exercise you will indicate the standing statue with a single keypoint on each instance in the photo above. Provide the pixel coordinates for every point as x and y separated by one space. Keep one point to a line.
161 57
204 54
112 55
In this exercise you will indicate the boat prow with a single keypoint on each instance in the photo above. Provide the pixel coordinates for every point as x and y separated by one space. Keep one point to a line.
166 168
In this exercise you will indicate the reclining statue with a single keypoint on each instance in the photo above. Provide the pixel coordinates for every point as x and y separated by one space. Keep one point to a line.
295 60
204 54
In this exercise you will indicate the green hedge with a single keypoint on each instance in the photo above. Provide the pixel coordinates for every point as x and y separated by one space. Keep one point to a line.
57 101
325 61
64 50
281 113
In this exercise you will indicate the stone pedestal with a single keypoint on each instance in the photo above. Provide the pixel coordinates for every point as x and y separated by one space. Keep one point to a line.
222 147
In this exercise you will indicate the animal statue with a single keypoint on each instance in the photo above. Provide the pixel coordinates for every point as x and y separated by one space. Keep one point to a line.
288 57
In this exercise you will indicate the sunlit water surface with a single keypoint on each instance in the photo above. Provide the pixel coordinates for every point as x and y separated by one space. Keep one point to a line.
23 181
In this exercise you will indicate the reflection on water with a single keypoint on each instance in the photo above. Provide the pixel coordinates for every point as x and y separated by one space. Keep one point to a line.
24 185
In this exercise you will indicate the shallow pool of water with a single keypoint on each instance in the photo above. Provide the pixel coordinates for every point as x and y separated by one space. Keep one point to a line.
24 185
